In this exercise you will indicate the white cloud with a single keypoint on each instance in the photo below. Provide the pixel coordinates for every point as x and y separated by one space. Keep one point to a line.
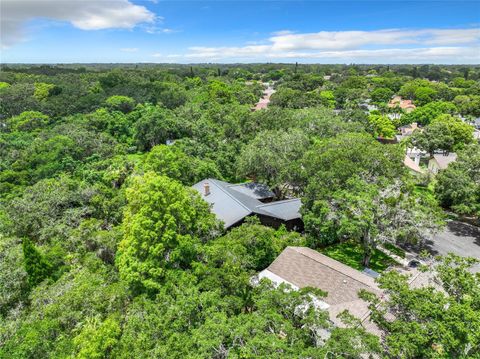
129 49
83 14
387 46
334 40
159 30
282 32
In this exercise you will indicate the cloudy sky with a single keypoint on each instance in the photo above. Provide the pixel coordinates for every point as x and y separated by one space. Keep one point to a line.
61 31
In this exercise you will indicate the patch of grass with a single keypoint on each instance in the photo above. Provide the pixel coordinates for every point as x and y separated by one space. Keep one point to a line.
351 254
394 249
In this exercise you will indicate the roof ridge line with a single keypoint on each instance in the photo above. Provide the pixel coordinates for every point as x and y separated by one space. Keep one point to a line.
229 194
336 270
277 202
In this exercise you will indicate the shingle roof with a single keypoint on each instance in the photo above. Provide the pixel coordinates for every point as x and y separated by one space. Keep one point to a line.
408 162
233 202
305 267
443 161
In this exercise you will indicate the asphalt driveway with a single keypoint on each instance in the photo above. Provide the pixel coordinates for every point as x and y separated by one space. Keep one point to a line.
457 237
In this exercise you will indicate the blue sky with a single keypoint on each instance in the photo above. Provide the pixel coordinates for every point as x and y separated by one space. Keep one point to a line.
53 31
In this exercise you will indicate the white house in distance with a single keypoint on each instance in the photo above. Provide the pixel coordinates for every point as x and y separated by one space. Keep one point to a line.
440 162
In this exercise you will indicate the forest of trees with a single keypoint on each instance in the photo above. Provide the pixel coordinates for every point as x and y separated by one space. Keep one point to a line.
106 251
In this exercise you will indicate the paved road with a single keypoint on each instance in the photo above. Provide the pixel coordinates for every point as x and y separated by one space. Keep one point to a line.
460 238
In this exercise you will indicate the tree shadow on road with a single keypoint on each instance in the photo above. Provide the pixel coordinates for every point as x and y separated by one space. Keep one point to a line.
464 230
455 228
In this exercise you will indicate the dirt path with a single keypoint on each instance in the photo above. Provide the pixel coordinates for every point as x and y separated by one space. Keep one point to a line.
265 100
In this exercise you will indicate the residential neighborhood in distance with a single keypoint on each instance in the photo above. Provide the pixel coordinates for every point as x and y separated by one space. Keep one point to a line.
263 179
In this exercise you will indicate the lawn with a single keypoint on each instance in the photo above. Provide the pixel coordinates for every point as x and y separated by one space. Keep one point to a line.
351 254
394 249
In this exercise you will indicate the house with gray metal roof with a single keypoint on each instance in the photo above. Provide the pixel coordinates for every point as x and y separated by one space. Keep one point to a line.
232 203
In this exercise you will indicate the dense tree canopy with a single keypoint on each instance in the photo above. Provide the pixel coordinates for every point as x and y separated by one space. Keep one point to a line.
106 251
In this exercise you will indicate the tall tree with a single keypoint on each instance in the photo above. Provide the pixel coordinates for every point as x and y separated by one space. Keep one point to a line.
445 133
164 225
372 214
458 186
273 158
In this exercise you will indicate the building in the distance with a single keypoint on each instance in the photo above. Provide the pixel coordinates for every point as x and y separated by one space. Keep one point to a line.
413 166
406 105
440 161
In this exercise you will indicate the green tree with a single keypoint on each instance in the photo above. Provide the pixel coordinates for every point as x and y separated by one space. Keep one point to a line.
288 98
28 121
57 312
381 94
45 209
410 88
458 186
4 85
445 133
115 123
43 90
220 91
164 225
171 161
169 94
124 104
327 99
426 114
97 338
13 276
271 326
381 126
329 164
372 215
439 321
37 266
424 95
273 158
229 262
156 125
461 132
468 105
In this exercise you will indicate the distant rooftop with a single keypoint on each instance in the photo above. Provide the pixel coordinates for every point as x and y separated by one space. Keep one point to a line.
444 160
408 162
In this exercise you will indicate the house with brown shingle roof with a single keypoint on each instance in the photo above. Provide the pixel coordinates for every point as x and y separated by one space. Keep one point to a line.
406 105
304 267
412 166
